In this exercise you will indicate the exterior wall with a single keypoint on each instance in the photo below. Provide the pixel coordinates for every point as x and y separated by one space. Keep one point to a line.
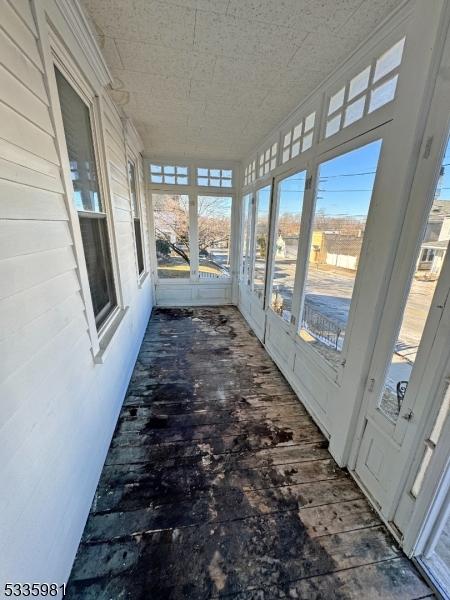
59 404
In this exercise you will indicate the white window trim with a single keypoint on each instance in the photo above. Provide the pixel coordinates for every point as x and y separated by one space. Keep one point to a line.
56 55
136 160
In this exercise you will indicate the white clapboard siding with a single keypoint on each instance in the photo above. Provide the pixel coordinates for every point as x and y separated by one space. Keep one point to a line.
11 171
15 60
17 95
26 202
26 134
19 310
20 157
19 33
18 238
59 406
22 272
44 327
23 9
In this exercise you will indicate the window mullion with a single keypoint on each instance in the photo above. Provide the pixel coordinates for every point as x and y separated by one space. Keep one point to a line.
193 235
252 242
309 201
274 207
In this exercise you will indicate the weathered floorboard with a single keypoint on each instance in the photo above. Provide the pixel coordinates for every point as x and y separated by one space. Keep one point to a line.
218 483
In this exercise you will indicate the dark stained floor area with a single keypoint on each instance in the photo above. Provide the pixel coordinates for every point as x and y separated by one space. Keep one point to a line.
218 484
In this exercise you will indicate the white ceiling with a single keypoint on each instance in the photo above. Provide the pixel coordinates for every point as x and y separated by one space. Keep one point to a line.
210 78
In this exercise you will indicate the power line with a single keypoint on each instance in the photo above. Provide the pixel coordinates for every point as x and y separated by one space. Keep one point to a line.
319 190
346 175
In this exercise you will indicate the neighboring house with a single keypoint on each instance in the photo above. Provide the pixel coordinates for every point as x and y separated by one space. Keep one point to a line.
437 236
336 248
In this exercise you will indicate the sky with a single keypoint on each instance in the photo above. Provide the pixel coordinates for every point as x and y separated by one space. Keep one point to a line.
345 184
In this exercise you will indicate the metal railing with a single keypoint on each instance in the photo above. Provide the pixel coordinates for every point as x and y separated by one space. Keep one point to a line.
321 327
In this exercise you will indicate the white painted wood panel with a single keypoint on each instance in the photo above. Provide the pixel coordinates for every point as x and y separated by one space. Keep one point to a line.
59 407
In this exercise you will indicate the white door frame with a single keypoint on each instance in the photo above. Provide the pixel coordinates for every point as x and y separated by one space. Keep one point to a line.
406 436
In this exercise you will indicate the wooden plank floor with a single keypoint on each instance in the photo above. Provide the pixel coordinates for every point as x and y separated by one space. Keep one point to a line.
218 484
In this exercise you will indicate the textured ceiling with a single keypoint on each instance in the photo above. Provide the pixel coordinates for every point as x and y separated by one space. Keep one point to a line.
210 78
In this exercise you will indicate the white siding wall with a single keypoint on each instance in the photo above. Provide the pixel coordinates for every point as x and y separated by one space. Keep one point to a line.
58 408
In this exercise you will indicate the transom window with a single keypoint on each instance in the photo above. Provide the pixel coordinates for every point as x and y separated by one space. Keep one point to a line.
171 174
268 160
214 177
368 91
250 173
299 138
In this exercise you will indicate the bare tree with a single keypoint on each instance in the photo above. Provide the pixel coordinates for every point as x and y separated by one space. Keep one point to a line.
171 215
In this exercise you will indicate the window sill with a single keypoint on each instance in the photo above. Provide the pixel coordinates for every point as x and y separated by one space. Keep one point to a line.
108 334
142 278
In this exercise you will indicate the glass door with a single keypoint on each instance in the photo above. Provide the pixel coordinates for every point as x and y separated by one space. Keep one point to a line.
402 389
261 241
426 273
287 225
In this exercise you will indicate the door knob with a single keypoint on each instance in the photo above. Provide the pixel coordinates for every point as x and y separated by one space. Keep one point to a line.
408 415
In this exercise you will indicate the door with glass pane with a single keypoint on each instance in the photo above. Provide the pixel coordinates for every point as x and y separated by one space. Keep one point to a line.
404 373
261 241
342 203
286 238
246 233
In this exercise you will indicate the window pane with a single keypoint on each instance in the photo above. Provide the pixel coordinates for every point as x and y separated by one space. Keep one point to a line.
359 83
383 94
214 234
307 142
342 203
171 217
94 229
246 218
354 111
261 239
336 101
132 180
80 147
333 125
389 60
297 131
287 233
309 121
98 262
434 247
138 238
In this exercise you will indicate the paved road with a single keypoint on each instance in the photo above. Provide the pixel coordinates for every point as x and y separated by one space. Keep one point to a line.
330 291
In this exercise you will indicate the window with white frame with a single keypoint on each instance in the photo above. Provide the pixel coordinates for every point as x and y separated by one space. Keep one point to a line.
87 198
366 92
136 215
169 174
214 177
299 138
250 173
268 160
